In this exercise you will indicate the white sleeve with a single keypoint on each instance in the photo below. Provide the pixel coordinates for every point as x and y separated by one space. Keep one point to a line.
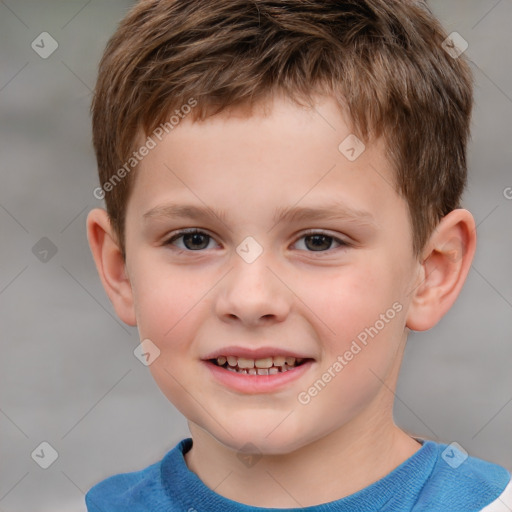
503 503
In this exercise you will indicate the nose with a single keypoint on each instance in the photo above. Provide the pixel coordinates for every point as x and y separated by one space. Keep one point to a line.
253 294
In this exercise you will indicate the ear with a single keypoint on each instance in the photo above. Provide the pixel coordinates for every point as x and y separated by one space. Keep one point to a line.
110 264
446 262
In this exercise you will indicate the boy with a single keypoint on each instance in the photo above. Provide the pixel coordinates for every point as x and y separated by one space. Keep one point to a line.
316 153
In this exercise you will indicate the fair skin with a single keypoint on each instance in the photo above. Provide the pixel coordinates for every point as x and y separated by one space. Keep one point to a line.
206 297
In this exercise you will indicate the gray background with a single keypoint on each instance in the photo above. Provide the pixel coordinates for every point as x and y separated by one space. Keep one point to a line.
68 373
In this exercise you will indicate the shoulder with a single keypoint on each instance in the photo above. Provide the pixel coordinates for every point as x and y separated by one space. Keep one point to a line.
503 503
459 482
134 491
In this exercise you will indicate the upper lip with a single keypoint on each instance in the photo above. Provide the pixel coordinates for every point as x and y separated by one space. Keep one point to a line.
255 353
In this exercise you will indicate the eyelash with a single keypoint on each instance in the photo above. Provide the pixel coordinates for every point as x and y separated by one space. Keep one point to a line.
308 233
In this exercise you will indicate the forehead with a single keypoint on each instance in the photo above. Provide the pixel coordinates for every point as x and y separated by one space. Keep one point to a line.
280 156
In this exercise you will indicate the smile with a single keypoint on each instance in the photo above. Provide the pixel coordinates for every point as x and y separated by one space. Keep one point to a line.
263 366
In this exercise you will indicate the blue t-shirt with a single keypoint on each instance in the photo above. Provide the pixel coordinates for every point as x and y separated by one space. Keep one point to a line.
437 478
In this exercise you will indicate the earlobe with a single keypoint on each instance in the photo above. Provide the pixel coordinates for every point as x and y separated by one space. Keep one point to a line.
110 264
447 259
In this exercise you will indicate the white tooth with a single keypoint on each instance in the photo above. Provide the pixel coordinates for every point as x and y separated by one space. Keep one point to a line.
273 370
263 363
232 360
279 360
290 361
245 363
230 369
252 371
242 371
262 371
221 360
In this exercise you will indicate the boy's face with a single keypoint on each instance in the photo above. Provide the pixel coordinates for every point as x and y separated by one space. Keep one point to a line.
307 295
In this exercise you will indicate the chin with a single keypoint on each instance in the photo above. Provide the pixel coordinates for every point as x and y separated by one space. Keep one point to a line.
260 438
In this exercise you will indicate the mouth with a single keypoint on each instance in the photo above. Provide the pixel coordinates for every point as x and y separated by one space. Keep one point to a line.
263 366
252 371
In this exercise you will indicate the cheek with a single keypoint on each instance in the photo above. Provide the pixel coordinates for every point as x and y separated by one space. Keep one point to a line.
168 303
361 329
168 308
359 317
164 297
346 301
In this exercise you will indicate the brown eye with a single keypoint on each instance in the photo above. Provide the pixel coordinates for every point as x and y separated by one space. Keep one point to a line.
320 242
193 240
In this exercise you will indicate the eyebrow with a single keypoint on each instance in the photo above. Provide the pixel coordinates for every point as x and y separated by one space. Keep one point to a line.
331 211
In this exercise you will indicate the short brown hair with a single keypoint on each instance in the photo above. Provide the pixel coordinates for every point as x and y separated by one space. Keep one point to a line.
383 60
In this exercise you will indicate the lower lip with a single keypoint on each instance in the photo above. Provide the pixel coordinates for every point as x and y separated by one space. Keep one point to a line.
253 384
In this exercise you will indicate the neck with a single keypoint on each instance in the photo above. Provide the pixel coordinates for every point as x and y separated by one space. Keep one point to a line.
304 477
